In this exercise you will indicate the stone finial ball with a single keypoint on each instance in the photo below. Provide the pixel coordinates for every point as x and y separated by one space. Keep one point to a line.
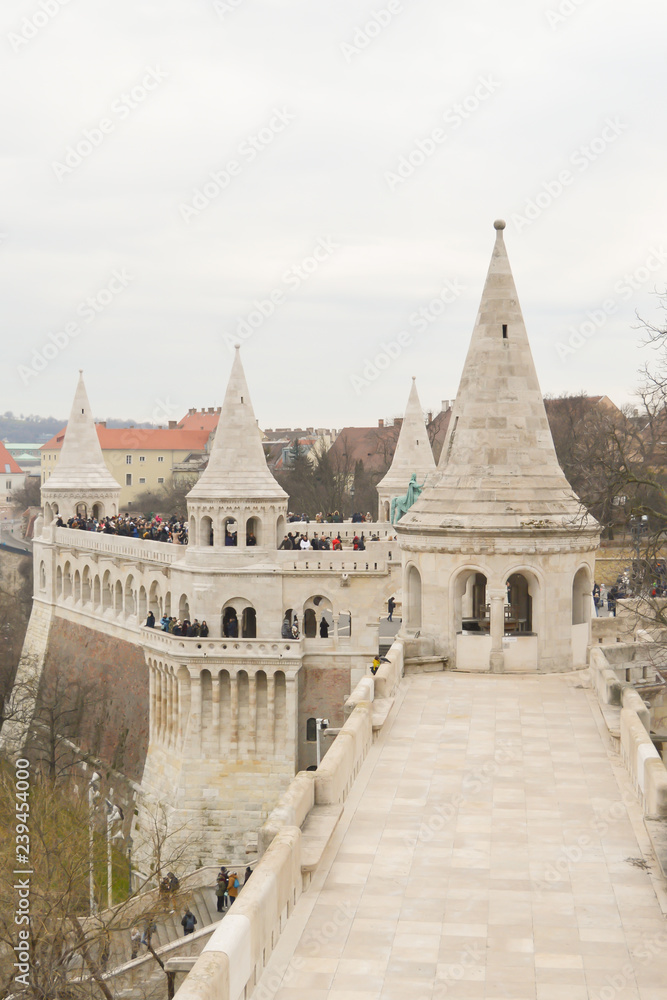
499 224
237 347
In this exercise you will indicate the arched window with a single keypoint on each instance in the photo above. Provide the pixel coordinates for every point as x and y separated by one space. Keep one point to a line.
581 596
59 582
154 600
230 531
142 610
230 623
386 507
471 607
193 531
96 592
81 509
98 511
314 610
253 531
249 623
309 623
106 591
42 576
118 598
206 536
130 608
183 608
86 589
414 582
77 586
67 580
519 606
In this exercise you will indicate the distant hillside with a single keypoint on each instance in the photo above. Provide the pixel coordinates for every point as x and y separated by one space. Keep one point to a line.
35 430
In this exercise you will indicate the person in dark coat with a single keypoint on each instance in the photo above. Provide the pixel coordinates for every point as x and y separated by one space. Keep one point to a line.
324 628
391 604
188 922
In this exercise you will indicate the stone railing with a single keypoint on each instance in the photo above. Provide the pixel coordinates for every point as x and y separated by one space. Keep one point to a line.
639 755
178 645
233 960
347 530
119 545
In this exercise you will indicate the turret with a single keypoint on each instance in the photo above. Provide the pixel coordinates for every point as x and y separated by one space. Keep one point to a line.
80 484
413 455
506 547
237 503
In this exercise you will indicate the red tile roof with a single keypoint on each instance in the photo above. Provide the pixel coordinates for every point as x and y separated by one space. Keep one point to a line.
200 420
149 439
7 463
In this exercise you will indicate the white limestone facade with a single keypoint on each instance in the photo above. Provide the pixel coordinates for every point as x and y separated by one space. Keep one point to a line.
498 553
413 455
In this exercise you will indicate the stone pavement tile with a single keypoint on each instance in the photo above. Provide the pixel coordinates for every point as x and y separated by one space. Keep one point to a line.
560 977
546 991
652 993
357 983
424 909
415 969
306 994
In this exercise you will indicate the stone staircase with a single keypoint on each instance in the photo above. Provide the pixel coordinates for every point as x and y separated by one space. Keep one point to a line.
142 978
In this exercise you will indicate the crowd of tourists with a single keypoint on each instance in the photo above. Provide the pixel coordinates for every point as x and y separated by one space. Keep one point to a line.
227 887
155 529
323 542
177 626
333 517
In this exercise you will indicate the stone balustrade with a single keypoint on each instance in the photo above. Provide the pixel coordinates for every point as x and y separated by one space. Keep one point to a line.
235 957
195 648
164 553
642 760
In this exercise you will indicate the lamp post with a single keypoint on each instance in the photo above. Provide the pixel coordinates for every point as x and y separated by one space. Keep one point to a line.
93 795
114 814
320 726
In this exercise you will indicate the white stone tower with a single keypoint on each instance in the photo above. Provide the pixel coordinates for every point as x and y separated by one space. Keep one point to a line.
413 455
80 482
237 499
498 553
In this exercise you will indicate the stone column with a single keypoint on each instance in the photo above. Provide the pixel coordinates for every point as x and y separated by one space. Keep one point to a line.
336 620
151 701
234 715
270 710
195 711
215 710
252 739
497 600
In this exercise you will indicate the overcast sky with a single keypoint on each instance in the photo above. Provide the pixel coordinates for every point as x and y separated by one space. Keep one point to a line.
362 151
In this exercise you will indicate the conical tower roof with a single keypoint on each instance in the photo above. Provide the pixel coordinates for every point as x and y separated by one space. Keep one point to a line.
237 467
413 449
81 466
498 469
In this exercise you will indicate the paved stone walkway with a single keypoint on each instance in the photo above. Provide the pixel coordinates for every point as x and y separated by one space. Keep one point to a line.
489 849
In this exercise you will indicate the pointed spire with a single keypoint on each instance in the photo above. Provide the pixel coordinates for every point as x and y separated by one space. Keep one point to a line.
81 464
498 467
237 467
413 450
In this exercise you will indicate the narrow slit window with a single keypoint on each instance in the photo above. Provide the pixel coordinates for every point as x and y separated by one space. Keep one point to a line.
504 331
